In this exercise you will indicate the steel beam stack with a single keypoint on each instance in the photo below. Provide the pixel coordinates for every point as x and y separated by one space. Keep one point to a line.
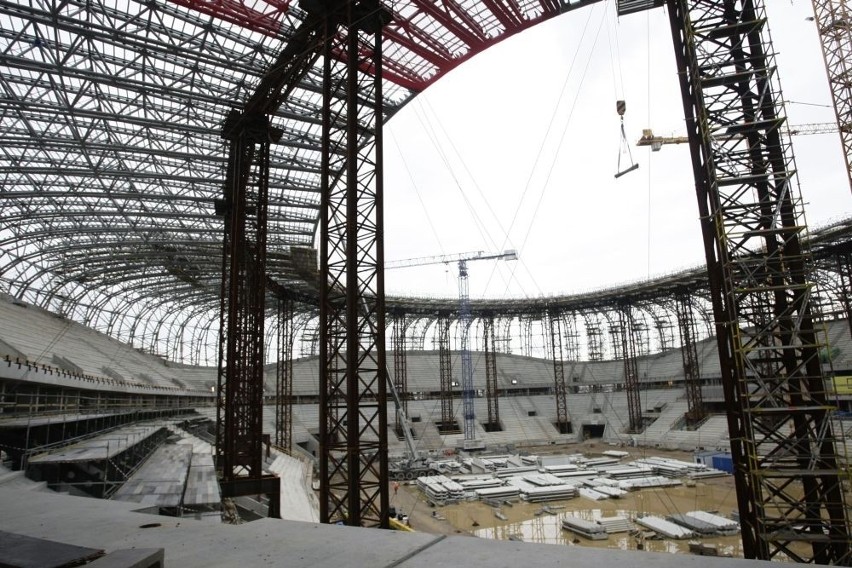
785 448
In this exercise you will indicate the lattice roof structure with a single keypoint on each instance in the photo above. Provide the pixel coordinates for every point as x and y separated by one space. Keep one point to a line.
112 156
111 115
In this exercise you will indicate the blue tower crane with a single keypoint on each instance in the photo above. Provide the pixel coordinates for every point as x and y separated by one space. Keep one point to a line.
462 259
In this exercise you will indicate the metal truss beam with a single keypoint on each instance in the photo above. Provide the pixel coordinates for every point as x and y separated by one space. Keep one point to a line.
353 372
787 469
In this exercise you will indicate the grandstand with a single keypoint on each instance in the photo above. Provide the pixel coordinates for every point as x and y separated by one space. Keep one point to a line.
56 366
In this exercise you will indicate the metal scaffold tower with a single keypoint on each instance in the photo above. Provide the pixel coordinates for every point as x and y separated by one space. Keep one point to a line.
464 323
787 469
492 390
689 353
626 329
466 361
400 370
448 421
833 26
563 420
244 206
353 381
284 375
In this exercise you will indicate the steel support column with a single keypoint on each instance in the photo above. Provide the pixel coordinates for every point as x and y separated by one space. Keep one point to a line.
353 373
689 353
626 331
491 387
448 422
844 274
563 421
246 197
784 445
284 376
466 361
594 338
400 368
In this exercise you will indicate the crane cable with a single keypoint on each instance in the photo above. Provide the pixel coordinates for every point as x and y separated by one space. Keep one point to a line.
558 146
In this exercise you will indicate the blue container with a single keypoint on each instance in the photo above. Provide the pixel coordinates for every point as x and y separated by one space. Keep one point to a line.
724 462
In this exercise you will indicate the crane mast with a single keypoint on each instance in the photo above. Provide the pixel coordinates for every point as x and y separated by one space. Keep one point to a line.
470 441
467 363
832 18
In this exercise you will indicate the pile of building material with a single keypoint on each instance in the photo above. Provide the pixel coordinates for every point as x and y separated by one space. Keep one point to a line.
651 481
510 471
611 492
542 487
584 528
471 483
707 473
696 525
666 528
592 494
669 467
500 493
543 479
616 524
441 488
629 471
561 468
549 493
723 526
594 463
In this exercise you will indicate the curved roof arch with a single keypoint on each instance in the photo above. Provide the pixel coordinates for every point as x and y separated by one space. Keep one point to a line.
112 156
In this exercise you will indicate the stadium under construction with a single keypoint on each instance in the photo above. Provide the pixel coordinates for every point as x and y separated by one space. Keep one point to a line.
192 272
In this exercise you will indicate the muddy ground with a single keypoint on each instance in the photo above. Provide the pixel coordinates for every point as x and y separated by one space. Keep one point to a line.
525 521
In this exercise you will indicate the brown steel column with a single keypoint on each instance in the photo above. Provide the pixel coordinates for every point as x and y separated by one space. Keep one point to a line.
626 330
492 391
353 372
786 466
284 376
563 421
400 368
695 412
448 422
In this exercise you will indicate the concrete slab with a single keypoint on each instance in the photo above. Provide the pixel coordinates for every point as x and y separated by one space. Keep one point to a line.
112 525
21 551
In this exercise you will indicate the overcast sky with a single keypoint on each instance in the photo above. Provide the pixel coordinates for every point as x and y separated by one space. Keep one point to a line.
518 148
